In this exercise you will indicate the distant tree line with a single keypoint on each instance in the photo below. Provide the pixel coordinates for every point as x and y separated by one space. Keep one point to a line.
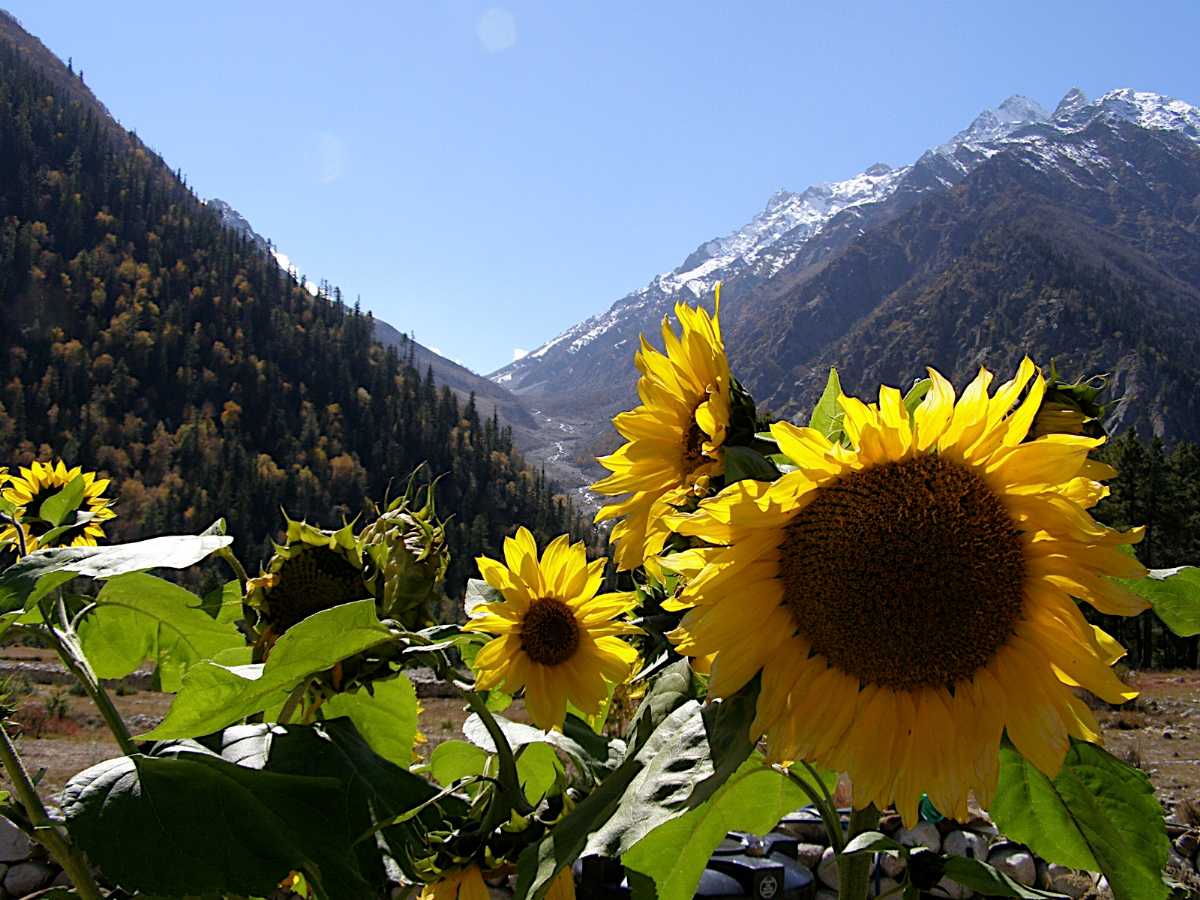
142 338
1159 489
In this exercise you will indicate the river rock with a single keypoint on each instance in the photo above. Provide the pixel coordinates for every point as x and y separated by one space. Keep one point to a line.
1063 880
951 889
825 894
805 825
1014 861
14 845
891 866
923 834
965 843
1187 844
809 855
27 877
827 868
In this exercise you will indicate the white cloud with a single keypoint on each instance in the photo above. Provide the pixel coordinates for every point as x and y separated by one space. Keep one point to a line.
497 29
331 157
437 350
518 353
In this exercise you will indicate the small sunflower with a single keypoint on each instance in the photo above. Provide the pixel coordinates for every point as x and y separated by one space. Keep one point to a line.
555 636
310 571
460 884
911 597
36 483
674 438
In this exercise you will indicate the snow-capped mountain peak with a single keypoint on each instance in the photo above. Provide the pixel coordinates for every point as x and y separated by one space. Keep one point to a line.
775 237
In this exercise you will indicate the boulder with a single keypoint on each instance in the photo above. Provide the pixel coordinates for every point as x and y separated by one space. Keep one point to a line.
923 834
15 846
27 877
1014 861
827 870
965 843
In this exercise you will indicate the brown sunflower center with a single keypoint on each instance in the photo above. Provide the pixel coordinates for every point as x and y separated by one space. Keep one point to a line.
906 574
315 579
549 632
693 446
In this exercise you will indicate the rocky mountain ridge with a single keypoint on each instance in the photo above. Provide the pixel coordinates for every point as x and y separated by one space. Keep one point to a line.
853 271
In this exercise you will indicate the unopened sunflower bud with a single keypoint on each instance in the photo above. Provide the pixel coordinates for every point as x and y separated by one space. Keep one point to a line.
406 558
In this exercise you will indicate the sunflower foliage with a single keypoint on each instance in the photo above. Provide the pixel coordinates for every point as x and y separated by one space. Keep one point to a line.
884 601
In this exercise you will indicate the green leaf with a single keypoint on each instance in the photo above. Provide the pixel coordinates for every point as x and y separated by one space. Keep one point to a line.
916 394
138 617
827 414
983 879
872 842
538 768
519 735
385 714
1098 814
1175 596
213 696
675 853
377 791
58 506
33 577
743 463
454 759
224 603
211 826
77 520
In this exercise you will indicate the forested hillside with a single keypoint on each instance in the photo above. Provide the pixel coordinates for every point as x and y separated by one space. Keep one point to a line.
143 339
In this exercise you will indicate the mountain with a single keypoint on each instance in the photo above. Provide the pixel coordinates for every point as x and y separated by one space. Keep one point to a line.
146 336
490 396
1072 235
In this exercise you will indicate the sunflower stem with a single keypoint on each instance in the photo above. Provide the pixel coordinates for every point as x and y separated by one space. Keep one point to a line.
511 782
824 806
43 829
854 872
66 644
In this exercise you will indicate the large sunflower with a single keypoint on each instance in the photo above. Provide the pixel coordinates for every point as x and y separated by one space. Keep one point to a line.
674 437
38 482
910 598
555 636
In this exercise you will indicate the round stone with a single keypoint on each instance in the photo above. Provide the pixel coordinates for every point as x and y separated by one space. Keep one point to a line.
923 834
965 843
1015 862
827 869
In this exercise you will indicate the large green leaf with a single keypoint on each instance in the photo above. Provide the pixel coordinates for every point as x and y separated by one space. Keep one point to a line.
682 763
28 580
519 735
1175 596
209 826
742 463
385 714
1097 814
138 617
685 765
378 791
538 768
675 853
827 415
453 759
984 879
213 696
59 505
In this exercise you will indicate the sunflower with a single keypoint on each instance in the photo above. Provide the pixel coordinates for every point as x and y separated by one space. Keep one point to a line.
555 636
28 490
468 884
910 597
461 884
674 438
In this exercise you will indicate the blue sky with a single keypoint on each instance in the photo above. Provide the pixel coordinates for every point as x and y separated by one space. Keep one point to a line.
487 175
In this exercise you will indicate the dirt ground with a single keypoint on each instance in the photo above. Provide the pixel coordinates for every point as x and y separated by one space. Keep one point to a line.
61 733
